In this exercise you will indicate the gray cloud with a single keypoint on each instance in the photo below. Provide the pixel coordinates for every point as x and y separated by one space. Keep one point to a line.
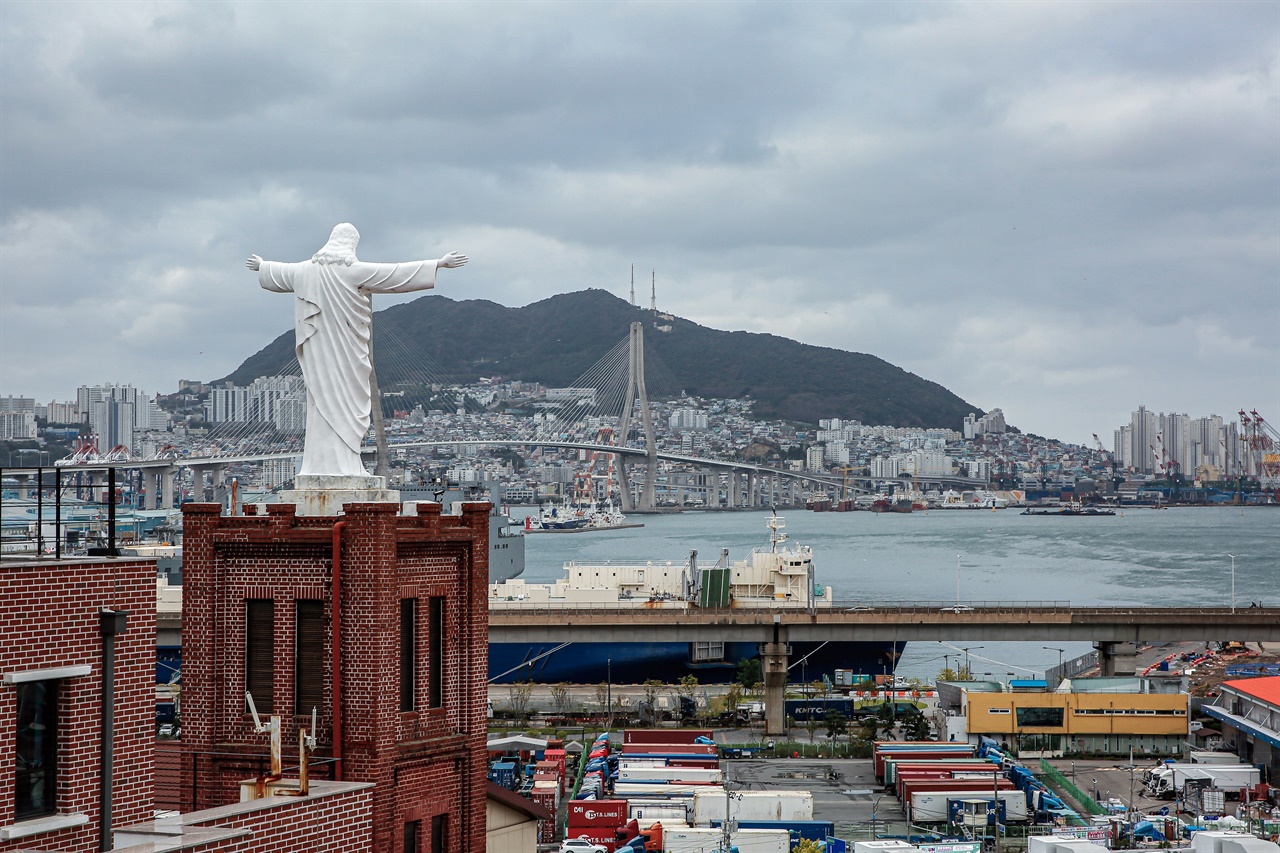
1063 209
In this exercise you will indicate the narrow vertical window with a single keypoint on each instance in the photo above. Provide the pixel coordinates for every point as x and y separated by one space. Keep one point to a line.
436 672
36 750
411 831
259 652
408 653
439 825
308 656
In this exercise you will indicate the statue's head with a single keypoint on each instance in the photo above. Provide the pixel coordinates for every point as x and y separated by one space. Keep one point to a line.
341 248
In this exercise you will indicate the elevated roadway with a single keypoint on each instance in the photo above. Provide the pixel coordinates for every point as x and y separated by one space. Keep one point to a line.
1116 631
977 621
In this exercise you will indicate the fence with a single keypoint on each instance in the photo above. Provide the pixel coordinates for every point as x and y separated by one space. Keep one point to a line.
1087 802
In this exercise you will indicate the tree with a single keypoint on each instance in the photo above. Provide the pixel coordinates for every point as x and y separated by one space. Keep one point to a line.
749 672
733 698
602 695
520 694
560 698
651 688
837 724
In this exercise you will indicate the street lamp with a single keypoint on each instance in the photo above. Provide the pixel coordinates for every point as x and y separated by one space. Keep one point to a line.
957 580
966 650
1055 649
1233 582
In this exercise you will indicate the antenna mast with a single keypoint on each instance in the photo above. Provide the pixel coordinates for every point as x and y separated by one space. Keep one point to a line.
633 284
653 292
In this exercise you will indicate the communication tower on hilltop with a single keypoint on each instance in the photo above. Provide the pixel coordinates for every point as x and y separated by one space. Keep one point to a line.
653 292
633 284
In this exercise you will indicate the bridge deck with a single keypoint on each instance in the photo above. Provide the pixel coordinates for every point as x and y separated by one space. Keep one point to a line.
1009 621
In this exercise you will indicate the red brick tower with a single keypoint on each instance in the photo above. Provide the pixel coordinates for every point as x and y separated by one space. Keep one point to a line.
413 635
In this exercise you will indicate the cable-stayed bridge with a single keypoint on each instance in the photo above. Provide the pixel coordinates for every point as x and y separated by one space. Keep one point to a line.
610 401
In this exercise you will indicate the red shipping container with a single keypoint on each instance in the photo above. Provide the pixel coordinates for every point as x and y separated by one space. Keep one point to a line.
596 835
597 813
668 749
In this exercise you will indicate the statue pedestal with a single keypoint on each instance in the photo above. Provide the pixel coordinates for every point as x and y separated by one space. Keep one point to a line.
325 495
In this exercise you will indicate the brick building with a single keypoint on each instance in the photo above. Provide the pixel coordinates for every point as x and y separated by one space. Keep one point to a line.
412 638
51 668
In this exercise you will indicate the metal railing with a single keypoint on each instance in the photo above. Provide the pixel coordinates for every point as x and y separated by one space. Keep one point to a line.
1087 802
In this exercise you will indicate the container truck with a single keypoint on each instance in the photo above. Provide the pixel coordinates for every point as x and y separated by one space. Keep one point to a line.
1169 782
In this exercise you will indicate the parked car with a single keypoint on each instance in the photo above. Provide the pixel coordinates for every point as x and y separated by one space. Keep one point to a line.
581 845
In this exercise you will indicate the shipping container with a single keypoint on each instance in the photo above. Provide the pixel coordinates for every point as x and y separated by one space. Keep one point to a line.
702 839
931 806
664 736
752 805
669 750
686 775
597 813
814 830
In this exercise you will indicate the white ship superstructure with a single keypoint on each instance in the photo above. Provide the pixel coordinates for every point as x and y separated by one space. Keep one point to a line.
779 574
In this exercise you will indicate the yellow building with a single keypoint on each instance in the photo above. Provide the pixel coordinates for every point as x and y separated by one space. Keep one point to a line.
1057 724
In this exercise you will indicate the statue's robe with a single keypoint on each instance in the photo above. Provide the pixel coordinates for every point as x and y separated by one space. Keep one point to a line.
333 319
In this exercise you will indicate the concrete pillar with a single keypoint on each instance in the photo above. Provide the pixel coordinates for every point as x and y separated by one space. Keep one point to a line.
24 486
1116 658
197 483
166 488
773 657
221 488
149 487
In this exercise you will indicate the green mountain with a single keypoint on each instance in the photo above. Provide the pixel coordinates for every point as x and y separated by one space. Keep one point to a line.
555 341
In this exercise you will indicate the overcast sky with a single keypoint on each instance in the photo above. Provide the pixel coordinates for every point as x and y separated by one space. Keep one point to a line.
1060 209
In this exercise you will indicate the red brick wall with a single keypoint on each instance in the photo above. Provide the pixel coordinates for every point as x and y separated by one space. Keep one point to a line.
426 762
335 824
49 618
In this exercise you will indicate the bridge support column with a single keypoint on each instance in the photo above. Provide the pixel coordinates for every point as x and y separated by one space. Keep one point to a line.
166 488
220 493
773 657
149 488
24 486
197 483
1116 658
624 486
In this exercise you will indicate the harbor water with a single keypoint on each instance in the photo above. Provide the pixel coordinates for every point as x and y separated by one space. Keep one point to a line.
1170 557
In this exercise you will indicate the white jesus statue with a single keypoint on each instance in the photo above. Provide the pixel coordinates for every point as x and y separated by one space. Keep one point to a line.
333 320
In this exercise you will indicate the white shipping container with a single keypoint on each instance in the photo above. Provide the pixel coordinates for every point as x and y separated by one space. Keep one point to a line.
695 839
671 774
931 806
886 846
1061 844
654 791
710 805
668 813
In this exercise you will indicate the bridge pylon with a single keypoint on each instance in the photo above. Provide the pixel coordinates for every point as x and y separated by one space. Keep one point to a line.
636 391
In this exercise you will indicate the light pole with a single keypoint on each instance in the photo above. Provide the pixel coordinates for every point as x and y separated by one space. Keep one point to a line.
1055 649
1233 582
957 580
966 651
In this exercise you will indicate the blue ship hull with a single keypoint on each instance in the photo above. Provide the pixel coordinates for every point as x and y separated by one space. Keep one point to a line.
635 663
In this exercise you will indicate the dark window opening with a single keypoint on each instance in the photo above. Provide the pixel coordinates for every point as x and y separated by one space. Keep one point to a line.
36 750
436 673
412 829
408 653
439 832
1040 716
259 652
308 656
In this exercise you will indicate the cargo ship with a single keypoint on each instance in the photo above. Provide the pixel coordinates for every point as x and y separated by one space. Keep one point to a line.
779 575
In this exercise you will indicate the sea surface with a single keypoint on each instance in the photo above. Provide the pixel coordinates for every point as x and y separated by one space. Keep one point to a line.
1171 557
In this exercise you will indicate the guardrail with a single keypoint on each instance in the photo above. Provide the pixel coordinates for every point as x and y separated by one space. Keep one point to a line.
845 611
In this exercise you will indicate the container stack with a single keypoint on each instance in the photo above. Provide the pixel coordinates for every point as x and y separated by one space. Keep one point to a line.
597 821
